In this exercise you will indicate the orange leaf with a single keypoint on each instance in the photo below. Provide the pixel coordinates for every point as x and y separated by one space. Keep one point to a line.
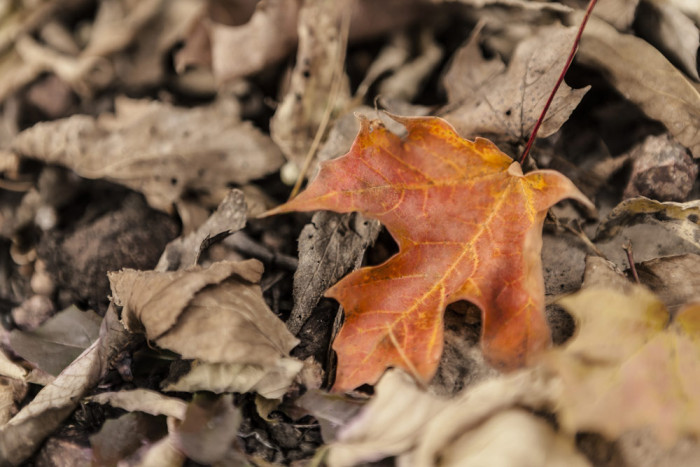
468 225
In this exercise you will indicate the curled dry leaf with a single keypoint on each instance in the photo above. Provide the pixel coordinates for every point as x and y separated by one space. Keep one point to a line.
57 342
26 430
635 373
683 219
674 279
509 106
215 315
673 33
158 149
403 420
330 246
486 252
229 217
645 77
143 400
318 84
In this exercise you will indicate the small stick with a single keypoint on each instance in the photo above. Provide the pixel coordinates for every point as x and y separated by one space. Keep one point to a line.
630 259
570 59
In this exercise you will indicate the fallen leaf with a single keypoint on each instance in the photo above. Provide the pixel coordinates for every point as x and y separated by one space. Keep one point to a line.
512 102
59 341
209 428
143 400
619 13
683 219
270 381
318 84
645 77
158 149
25 431
229 217
486 250
422 429
671 32
216 315
11 369
625 369
120 437
674 279
12 392
330 246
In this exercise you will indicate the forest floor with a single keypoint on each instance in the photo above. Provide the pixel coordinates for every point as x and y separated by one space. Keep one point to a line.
153 315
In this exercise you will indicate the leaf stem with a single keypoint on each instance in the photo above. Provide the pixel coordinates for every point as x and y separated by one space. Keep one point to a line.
570 59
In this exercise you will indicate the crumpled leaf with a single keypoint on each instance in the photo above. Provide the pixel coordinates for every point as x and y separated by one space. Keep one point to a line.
318 84
26 430
626 369
403 420
209 428
329 247
511 103
270 381
229 217
143 400
645 77
486 251
674 279
683 219
619 13
216 315
59 341
120 437
673 33
158 149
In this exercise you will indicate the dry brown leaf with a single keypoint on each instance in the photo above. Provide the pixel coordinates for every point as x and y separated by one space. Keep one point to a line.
57 342
674 279
318 83
26 430
12 391
329 247
683 219
625 369
120 437
143 400
217 316
158 149
509 106
270 381
184 252
670 31
403 420
645 77
619 13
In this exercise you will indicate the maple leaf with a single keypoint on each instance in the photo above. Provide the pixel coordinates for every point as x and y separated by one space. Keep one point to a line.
468 226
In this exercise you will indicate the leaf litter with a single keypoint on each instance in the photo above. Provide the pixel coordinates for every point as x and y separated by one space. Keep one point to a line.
125 123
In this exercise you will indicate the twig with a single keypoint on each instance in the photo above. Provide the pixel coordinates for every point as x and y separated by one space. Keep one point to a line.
630 259
570 59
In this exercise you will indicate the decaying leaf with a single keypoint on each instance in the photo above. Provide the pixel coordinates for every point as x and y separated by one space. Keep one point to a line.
216 315
318 84
184 252
270 381
486 251
120 437
143 400
403 420
674 279
509 106
329 247
26 430
209 428
683 219
59 341
158 149
671 32
645 77
625 369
